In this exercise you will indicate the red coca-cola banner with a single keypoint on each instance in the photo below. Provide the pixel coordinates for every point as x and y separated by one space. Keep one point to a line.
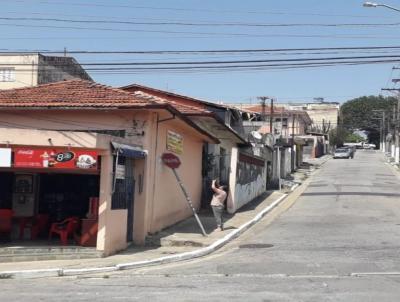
55 158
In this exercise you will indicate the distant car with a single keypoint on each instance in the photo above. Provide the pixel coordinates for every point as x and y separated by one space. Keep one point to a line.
352 150
369 146
343 153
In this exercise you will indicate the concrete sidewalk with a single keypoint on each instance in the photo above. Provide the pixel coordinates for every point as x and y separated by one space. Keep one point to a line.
182 241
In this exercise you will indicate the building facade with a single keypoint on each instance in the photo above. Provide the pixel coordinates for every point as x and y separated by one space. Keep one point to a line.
32 69
234 161
82 142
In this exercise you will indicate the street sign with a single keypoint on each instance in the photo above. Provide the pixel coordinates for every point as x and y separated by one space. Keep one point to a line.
171 160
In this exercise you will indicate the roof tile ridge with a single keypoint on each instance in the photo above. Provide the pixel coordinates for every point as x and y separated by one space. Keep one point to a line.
196 99
172 102
149 97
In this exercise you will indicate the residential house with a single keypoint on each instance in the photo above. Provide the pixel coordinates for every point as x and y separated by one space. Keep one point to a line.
288 127
234 161
80 149
32 69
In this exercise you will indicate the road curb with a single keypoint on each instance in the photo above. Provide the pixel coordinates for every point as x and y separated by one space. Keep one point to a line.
60 272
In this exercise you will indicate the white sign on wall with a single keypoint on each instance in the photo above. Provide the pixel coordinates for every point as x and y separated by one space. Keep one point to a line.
120 172
5 157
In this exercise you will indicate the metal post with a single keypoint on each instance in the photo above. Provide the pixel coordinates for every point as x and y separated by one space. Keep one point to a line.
278 159
189 202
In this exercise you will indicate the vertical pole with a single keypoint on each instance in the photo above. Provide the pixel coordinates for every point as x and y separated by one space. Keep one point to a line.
383 133
292 153
189 202
393 146
396 155
281 122
278 159
381 147
272 117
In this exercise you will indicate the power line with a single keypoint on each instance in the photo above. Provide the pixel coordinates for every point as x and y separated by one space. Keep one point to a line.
212 51
204 24
213 62
230 34
181 9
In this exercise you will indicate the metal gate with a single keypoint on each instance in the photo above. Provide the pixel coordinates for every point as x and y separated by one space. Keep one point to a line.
130 196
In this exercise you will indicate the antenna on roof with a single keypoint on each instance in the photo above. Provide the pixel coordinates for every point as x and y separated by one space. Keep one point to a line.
65 51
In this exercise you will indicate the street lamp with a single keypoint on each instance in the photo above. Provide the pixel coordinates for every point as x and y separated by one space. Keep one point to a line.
373 4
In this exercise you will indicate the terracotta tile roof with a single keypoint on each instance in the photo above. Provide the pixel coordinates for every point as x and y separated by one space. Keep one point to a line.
199 102
86 94
72 94
182 108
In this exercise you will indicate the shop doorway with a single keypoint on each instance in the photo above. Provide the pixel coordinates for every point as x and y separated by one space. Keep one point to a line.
66 195
38 201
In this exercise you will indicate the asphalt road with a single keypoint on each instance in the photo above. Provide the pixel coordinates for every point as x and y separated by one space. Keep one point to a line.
339 242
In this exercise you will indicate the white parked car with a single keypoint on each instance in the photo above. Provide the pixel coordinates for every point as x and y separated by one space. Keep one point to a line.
369 146
342 153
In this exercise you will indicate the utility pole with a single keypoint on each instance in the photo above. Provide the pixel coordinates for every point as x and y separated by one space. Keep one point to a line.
263 112
396 122
292 153
383 132
381 129
278 158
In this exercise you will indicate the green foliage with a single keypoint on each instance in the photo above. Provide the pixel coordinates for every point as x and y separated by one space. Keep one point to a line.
337 136
353 138
359 113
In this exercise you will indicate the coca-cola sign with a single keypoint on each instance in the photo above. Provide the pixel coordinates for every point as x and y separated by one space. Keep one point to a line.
55 158
171 160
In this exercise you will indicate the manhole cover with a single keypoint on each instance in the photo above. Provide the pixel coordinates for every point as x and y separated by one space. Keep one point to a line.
256 246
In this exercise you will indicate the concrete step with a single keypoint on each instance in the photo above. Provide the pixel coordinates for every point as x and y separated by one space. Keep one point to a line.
42 256
15 250
33 253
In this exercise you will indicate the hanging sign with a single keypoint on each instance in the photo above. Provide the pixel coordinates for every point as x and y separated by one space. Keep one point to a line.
120 172
171 160
174 142
55 158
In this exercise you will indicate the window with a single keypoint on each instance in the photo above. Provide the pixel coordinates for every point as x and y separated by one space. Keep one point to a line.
7 74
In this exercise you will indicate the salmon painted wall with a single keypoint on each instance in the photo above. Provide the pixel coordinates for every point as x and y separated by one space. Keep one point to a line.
153 208
172 207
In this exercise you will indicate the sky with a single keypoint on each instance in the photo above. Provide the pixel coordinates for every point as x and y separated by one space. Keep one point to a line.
177 25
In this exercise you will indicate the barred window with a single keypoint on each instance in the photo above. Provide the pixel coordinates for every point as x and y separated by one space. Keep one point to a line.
7 74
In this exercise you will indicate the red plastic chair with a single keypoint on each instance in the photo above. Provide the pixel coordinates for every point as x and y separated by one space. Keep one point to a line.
64 229
6 222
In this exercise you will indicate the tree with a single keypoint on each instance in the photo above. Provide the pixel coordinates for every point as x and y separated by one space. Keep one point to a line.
353 138
358 114
337 136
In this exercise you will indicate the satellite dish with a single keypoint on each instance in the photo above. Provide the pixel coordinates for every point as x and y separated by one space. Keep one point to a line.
256 135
